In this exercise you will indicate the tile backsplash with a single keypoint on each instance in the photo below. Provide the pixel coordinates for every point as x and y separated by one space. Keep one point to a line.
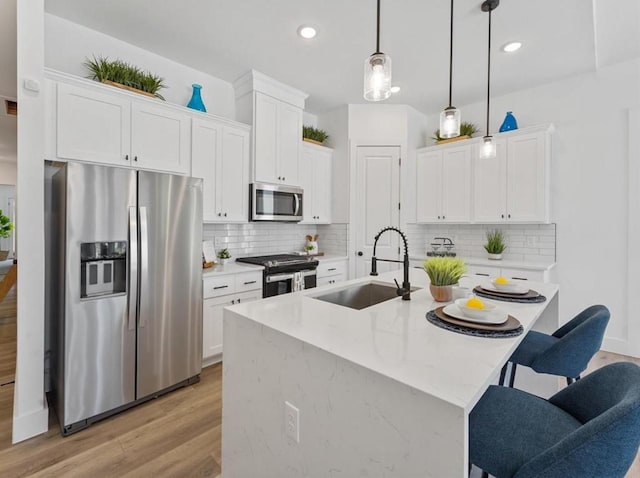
525 242
256 238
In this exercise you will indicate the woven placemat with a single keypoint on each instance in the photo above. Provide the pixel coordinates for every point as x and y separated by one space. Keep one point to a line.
521 300
497 334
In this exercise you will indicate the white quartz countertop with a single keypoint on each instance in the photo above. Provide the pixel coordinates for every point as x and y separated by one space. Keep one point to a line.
481 261
394 338
230 268
332 257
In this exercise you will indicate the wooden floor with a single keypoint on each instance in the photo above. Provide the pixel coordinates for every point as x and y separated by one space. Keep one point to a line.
177 435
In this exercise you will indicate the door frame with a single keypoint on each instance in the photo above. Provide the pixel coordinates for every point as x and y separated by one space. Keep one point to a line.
354 144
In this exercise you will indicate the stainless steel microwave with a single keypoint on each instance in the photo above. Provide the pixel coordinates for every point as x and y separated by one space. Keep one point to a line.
273 202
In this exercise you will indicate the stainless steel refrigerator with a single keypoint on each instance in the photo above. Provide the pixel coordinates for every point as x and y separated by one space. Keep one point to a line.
128 288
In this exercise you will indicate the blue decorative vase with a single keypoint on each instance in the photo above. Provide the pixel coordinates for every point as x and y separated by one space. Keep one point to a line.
509 123
196 100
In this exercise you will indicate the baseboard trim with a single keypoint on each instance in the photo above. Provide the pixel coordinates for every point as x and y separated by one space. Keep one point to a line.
30 425
618 346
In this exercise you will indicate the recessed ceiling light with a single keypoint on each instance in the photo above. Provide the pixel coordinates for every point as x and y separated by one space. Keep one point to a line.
511 46
395 89
306 32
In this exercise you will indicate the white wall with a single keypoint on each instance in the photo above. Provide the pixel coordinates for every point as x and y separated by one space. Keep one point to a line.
589 184
68 45
30 413
8 173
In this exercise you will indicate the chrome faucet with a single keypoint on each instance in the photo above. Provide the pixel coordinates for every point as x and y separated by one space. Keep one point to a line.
405 290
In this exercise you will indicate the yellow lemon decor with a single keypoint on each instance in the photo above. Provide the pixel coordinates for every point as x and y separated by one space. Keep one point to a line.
502 280
475 303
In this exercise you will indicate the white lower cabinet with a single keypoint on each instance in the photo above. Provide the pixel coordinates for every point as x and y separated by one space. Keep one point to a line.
331 272
220 292
509 273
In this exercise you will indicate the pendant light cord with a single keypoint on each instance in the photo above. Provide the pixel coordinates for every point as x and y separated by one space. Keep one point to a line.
378 30
451 55
488 72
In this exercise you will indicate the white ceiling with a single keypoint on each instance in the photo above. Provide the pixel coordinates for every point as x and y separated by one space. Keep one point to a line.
227 37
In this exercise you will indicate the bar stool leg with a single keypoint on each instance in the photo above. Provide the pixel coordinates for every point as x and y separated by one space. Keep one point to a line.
503 373
513 374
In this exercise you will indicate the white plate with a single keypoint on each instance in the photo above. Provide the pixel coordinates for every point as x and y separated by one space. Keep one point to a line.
516 289
497 317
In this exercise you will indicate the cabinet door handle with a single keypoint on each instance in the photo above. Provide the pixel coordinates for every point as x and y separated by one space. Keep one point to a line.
279 178
331 269
225 214
443 217
250 282
283 178
481 274
219 214
502 216
509 216
438 217
220 287
126 157
238 301
233 302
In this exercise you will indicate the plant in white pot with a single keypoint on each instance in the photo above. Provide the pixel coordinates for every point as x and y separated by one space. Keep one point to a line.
495 245
444 273
6 228
224 256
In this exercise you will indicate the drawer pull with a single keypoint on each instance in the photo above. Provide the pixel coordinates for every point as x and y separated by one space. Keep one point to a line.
331 270
482 274
519 278
250 282
220 287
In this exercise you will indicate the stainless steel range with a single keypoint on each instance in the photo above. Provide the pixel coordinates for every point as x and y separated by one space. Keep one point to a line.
284 273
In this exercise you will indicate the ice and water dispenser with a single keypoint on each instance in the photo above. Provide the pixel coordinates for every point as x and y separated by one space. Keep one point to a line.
103 268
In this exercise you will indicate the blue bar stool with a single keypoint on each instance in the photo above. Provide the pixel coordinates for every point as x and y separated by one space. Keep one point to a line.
567 351
589 429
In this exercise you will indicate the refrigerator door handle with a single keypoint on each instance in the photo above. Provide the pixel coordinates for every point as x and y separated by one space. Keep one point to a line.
133 267
144 257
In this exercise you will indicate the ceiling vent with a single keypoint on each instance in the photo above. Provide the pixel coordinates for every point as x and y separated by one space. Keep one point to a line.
12 107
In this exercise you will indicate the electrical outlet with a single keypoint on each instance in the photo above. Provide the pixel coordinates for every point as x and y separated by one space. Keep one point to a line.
292 421
531 241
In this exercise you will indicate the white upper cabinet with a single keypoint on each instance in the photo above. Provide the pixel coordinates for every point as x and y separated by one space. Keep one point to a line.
490 185
514 186
443 185
159 138
275 111
316 170
92 122
220 155
91 126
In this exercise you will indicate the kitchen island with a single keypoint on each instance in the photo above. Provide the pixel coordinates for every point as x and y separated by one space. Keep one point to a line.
380 391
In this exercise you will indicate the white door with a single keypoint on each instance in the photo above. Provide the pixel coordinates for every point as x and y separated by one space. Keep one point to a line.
91 126
429 186
289 139
265 136
526 178
159 139
233 175
456 184
490 186
322 187
205 150
377 205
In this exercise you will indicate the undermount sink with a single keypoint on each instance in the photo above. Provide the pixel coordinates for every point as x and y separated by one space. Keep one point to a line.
361 296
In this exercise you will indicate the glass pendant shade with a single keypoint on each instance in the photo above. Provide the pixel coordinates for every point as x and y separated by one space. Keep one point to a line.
488 148
450 122
377 77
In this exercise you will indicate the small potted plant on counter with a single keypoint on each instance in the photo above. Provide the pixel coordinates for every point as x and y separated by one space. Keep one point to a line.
444 273
495 245
224 255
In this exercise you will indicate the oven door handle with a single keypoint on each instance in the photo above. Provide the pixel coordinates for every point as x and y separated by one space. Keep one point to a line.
308 273
279 277
297 198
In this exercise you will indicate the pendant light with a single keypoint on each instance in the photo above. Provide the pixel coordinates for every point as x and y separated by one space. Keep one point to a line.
488 147
450 116
377 72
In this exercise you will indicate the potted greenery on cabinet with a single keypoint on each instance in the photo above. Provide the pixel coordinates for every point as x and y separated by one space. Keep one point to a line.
495 245
126 76
444 272
314 135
